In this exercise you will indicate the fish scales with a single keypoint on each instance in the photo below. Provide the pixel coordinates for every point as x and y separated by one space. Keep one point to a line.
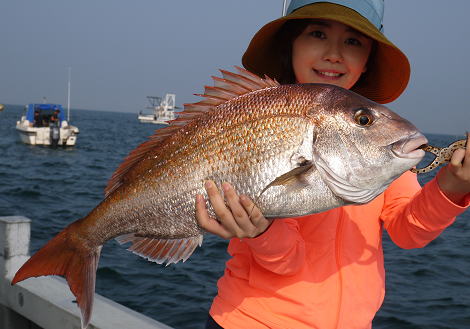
218 156
230 145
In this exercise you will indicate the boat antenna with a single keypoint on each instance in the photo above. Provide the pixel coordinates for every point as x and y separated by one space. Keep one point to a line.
68 95
284 8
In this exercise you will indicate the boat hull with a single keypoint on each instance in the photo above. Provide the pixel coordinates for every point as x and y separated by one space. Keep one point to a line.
151 119
42 135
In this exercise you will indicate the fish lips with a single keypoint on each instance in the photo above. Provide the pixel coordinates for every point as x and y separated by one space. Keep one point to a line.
409 147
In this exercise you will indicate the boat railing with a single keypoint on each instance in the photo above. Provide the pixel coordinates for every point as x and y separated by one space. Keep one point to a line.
46 302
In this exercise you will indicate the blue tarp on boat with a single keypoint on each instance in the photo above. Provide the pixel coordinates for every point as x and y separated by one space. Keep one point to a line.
45 110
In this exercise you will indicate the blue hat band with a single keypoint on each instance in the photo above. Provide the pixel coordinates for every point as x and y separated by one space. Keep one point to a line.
373 10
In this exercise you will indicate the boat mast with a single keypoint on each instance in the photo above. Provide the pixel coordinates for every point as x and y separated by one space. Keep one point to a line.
68 96
284 8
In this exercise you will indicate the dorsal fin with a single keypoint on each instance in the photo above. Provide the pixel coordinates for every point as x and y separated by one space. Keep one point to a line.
230 86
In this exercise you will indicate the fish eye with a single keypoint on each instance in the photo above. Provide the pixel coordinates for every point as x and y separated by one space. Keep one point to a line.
363 117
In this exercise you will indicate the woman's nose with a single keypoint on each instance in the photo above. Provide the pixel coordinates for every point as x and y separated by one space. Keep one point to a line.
333 53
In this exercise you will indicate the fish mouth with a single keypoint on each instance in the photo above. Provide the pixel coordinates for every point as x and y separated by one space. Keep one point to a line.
410 146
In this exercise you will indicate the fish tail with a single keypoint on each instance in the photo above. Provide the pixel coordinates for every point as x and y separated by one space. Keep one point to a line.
64 255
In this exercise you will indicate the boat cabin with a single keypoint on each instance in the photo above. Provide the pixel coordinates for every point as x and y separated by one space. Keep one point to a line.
43 115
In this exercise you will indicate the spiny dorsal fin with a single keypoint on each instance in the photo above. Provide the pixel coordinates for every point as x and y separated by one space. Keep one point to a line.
230 86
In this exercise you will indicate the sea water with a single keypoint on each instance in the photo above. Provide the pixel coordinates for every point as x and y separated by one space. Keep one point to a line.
426 288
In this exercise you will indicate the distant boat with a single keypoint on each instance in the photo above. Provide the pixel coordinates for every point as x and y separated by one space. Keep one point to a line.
163 110
45 124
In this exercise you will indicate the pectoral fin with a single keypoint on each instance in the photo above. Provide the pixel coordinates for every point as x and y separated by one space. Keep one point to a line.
291 179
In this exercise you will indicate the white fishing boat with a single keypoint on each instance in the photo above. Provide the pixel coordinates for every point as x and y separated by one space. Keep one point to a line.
45 124
163 110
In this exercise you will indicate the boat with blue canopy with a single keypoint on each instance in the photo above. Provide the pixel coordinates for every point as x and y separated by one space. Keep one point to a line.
46 124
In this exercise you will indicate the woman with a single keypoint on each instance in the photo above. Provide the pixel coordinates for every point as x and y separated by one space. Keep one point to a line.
326 270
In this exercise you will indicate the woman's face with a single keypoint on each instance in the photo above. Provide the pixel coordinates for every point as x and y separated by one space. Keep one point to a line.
330 52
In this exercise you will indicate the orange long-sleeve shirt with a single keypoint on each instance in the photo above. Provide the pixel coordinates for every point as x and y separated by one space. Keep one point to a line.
327 270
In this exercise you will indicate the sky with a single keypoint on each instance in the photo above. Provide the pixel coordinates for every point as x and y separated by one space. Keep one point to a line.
121 51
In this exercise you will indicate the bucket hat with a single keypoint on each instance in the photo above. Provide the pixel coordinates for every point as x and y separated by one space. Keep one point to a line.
388 69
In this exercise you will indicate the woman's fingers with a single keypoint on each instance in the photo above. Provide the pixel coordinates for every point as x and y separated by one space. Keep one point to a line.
458 156
223 210
455 180
239 214
460 161
208 223
256 216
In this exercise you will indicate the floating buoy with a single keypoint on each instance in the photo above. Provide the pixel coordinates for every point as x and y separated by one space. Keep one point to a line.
2 107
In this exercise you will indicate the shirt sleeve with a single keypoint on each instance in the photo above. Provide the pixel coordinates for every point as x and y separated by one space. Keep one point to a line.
414 216
281 249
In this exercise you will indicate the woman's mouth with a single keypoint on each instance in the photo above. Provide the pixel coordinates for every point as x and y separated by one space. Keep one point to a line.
330 75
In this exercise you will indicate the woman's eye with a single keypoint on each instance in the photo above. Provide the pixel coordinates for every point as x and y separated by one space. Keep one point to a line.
318 34
353 41
363 117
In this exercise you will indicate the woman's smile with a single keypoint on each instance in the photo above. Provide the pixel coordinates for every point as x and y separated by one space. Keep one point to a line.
328 74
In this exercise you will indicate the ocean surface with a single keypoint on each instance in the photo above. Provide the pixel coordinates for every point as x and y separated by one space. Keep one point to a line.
426 288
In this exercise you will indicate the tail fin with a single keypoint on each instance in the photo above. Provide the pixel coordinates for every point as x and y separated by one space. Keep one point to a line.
68 257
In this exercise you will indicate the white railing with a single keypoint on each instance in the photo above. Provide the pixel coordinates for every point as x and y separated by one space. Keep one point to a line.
47 301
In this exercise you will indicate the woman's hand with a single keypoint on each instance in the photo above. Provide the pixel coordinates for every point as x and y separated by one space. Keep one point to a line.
238 216
455 179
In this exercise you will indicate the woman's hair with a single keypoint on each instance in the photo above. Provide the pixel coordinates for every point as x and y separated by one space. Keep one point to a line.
285 38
